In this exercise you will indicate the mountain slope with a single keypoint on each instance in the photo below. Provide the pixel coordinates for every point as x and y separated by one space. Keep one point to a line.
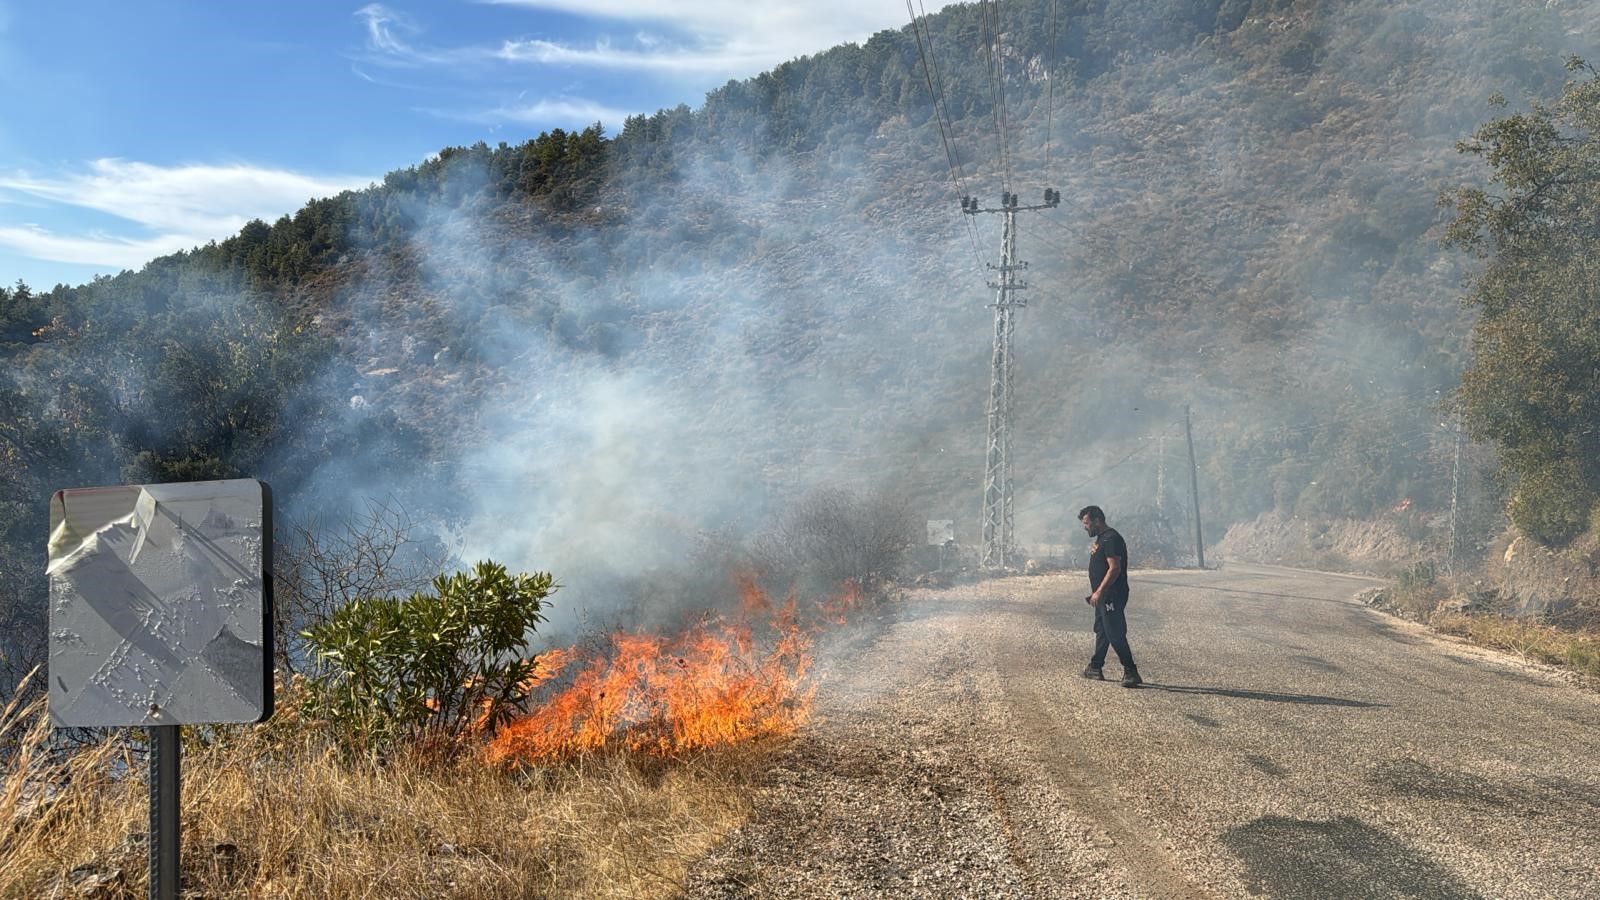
583 350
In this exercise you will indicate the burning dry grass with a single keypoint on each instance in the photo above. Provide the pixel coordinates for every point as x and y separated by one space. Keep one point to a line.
603 790
270 817
722 682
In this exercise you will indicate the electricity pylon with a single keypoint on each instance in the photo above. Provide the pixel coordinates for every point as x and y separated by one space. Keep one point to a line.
999 534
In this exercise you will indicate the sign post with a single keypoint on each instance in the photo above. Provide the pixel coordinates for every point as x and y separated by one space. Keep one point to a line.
160 617
941 534
166 775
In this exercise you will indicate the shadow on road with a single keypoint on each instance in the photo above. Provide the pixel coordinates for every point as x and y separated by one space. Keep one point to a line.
1269 696
1342 857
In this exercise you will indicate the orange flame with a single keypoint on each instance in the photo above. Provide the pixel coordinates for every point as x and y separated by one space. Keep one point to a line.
718 683
838 609
547 666
708 687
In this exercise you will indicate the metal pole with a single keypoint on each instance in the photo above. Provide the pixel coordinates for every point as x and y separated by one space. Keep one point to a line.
1194 492
1008 543
165 750
1455 496
996 474
1161 476
999 508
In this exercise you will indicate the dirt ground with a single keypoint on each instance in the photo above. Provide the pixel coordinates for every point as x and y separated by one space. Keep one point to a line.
1290 743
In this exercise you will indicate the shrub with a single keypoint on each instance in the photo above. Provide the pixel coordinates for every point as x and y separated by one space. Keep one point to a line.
323 563
1415 591
389 670
832 536
1416 577
1551 505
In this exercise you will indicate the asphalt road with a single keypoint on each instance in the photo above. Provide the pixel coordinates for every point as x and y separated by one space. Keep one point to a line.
1289 743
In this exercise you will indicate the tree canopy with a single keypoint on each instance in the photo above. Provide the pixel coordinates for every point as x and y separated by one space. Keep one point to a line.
1533 386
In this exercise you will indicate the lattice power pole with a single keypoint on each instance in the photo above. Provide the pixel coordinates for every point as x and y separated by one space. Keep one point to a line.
999 535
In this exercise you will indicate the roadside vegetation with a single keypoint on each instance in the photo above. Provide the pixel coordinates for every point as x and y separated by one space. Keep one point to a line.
1532 390
431 745
1469 606
1467 609
279 811
1576 650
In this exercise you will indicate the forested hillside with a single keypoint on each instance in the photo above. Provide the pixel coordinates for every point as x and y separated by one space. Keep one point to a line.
581 351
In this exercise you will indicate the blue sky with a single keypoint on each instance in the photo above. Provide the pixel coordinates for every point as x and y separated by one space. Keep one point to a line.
133 129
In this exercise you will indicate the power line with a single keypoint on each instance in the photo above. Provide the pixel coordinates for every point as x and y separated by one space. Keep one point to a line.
938 77
957 172
1050 76
1396 405
1064 492
989 13
1144 447
1000 85
1135 452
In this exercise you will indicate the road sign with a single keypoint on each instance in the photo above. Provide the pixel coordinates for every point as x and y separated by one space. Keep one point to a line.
160 609
161 616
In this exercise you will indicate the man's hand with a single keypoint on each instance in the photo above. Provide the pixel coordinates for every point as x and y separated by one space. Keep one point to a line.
1094 599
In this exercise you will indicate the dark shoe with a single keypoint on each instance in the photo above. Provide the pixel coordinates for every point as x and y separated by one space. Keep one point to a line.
1131 678
1094 673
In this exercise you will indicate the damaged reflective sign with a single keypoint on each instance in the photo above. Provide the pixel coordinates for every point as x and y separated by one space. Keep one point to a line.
160 604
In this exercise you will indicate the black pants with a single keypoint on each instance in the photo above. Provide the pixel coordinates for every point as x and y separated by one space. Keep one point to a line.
1111 630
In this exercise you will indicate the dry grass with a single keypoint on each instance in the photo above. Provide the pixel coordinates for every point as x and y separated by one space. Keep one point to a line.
1573 643
1417 602
1579 650
272 812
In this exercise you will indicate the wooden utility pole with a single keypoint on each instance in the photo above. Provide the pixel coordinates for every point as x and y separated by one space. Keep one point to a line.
1161 476
1194 492
1455 497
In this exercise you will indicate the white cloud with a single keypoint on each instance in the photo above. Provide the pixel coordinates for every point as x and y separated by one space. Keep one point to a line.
197 199
758 22
560 111
388 39
603 55
576 112
381 22
95 249
182 205
730 37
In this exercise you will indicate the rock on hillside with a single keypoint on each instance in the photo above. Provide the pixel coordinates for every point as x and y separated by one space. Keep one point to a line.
1331 544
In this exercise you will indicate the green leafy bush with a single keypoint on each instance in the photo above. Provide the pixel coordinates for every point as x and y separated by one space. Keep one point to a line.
1551 504
452 663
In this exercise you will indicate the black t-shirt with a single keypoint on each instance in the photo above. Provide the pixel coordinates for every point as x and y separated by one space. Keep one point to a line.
1109 543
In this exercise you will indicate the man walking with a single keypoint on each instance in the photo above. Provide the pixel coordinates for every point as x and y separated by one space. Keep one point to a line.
1108 579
